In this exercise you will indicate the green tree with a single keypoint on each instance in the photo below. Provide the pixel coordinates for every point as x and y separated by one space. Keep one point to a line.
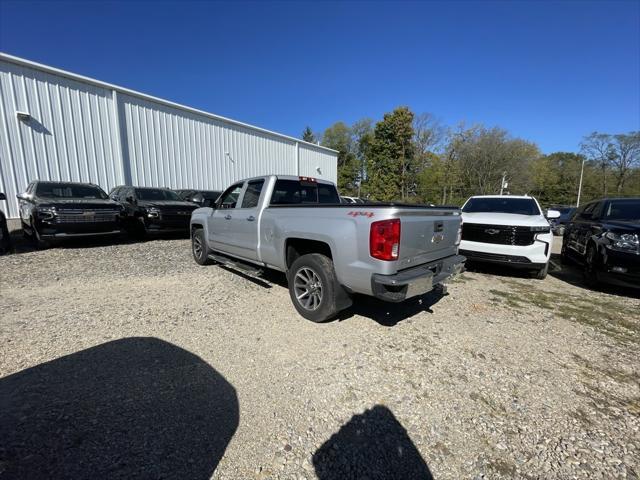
361 139
339 137
391 173
308 135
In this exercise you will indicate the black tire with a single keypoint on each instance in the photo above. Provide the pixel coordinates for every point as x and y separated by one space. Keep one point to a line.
591 263
199 248
36 239
564 255
541 273
315 275
140 229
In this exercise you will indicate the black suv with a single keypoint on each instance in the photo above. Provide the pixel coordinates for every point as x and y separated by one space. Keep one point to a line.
203 198
56 210
5 238
604 235
149 210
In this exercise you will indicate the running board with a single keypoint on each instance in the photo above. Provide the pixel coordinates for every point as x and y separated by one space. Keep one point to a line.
236 264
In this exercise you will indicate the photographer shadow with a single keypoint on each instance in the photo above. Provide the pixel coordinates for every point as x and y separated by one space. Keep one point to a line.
131 408
372 445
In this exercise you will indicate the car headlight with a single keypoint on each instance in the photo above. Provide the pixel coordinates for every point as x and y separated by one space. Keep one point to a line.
46 213
540 229
153 212
623 241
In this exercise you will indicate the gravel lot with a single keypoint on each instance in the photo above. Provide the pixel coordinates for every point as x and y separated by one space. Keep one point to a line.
130 360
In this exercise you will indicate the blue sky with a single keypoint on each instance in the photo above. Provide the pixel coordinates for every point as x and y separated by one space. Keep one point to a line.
549 72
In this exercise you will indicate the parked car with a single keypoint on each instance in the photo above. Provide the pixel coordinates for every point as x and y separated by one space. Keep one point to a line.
328 250
58 210
5 238
344 199
152 210
509 230
604 236
558 224
202 198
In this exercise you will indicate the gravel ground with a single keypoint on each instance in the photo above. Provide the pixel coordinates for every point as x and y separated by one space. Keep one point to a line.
130 360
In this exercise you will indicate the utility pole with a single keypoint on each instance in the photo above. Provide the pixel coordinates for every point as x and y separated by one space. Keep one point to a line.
504 184
580 184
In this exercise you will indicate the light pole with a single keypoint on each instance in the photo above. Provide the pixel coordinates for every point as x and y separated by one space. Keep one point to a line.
503 185
580 184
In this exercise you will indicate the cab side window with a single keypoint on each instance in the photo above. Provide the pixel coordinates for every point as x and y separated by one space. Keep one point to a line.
252 194
597 211
229 198
587 212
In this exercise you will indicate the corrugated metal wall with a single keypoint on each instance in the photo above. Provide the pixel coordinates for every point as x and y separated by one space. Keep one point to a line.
182 150
71 134
313 163
89 131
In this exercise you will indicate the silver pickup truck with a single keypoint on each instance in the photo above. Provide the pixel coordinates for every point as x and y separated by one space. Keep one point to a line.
328 250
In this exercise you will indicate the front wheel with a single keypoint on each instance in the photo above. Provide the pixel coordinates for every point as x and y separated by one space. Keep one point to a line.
591 266
199 248
312 287
541 273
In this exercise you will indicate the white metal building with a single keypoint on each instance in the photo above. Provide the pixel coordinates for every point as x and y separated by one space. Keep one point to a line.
56 125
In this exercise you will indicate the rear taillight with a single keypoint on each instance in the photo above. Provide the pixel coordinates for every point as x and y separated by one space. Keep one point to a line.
384 239
459 236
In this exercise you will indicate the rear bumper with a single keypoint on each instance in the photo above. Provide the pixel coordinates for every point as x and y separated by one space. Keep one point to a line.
417 280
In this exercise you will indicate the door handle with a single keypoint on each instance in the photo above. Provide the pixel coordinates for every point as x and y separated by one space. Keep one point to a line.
227 217
251 218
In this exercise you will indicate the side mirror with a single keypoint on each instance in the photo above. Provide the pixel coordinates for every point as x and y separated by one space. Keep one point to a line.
2 196
553 214
129 199
198 200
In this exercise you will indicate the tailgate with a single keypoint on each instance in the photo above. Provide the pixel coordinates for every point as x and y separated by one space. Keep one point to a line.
426 236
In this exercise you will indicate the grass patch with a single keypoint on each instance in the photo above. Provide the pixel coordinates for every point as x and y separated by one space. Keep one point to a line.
608 317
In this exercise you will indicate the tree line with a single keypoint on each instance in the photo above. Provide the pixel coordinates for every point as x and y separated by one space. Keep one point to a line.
417 159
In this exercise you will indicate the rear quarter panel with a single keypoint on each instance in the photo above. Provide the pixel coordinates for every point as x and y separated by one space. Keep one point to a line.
346 231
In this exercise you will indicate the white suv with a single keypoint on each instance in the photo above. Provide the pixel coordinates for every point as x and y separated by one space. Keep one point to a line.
509 230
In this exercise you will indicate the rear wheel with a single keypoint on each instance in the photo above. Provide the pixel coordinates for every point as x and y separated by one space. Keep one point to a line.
312 287
199 248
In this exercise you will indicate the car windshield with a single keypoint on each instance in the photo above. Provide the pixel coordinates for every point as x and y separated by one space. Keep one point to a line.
623 210
518 206
69 190
156 194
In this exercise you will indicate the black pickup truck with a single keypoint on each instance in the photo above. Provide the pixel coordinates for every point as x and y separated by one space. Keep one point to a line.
153 210
58 210
604 236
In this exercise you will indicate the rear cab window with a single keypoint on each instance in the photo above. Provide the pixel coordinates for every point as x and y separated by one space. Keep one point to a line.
296 192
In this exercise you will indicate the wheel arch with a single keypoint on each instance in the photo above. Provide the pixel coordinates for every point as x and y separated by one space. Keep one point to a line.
296 247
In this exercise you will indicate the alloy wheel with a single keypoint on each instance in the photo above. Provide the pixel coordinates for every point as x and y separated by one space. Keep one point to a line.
308 288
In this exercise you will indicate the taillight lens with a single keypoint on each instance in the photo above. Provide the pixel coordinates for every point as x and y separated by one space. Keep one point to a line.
384 239
459 236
